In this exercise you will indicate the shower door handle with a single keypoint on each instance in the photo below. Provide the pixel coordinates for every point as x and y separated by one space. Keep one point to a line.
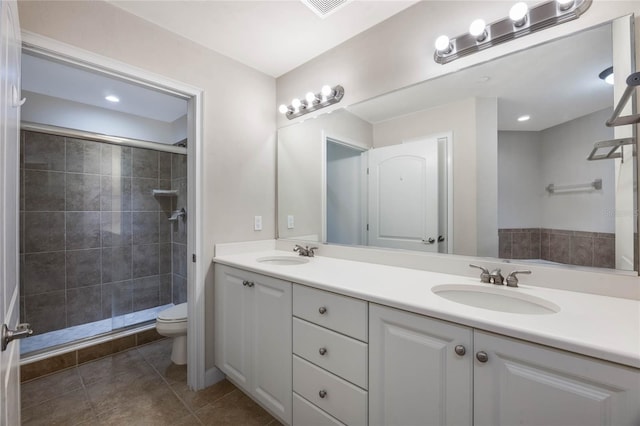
23 330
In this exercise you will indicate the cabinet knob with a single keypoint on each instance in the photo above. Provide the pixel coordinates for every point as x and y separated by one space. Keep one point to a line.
322 351
460 350
322 394
482 356
245 283
322 310
250 284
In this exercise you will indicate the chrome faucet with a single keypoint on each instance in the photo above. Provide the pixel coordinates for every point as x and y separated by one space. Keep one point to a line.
305 251
495 277
485 277
512 279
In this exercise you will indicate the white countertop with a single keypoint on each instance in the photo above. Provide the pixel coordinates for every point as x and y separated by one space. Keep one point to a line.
598 326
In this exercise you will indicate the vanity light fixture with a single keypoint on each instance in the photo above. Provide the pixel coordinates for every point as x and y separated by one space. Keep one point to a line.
313 101
112 98
607 75
521 21
518 14
478 29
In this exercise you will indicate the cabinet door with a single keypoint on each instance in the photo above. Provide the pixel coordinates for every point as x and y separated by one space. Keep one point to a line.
526 384
233 316
415 375
271 344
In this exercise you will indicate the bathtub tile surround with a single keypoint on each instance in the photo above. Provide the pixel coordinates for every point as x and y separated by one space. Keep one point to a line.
94 240
595 249
137 386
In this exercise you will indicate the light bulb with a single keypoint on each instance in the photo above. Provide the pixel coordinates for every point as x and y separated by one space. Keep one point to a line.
524 118
565 4
609 79
326 90
112 98
295 103
478 29
311 98
443 45
283 109
518 13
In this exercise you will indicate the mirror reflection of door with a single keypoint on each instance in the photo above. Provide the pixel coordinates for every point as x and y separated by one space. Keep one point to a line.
403 196
345 189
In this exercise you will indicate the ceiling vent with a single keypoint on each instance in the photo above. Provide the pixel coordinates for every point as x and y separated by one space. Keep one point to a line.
324 8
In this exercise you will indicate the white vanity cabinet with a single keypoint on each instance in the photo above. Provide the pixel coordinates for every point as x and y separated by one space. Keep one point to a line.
523 383
253 336
420 370
419 374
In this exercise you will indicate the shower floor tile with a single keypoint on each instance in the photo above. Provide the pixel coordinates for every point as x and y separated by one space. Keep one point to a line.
83 331
140 386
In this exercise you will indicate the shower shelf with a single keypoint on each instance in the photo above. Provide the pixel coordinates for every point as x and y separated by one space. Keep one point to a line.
165 192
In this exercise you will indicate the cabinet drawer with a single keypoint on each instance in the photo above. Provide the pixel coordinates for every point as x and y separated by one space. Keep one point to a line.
343 314
343 400
343 356
307 414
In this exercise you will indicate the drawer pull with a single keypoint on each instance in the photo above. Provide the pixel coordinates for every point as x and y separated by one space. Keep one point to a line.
482 356
460 350
322 394
322 351
245 283
322 310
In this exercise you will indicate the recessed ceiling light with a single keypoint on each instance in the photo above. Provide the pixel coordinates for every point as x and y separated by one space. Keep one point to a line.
112 98
524 118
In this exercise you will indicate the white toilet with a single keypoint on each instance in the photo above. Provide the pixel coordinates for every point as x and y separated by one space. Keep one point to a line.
172 322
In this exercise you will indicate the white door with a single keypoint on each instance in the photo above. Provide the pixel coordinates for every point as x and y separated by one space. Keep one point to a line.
233 316
525 384
9 225
420 370
403 196
271 346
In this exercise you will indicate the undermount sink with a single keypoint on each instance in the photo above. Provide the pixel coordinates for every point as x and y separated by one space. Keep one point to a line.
283 260
496 299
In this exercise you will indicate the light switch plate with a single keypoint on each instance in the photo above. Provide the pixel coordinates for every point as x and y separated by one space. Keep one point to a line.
257 223
290 222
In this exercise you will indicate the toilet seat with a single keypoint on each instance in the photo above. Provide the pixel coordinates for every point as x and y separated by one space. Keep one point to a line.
174 314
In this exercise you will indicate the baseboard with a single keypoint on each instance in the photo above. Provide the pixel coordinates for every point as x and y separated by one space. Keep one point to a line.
213 376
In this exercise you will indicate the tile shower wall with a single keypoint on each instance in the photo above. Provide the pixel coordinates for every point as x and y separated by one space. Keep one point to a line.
95 242
557 245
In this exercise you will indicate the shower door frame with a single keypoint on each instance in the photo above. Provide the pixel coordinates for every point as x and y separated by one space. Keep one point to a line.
197 377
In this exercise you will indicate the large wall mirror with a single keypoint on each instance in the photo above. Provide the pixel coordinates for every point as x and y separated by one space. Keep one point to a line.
488 161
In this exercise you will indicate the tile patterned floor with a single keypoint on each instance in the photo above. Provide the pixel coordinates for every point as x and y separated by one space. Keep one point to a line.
138 387
77 332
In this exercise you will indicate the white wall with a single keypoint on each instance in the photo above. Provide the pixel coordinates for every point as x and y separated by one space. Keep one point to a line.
566 163
300 162
43 109
520 190
529 161
239 136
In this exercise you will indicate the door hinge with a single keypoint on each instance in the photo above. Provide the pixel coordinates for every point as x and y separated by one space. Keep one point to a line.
367 170
367 226
193 258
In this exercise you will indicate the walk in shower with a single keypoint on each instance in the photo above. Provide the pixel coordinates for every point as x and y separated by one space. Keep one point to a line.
103 211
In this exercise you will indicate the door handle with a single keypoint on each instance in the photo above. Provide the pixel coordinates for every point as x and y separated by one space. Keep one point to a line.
22 330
